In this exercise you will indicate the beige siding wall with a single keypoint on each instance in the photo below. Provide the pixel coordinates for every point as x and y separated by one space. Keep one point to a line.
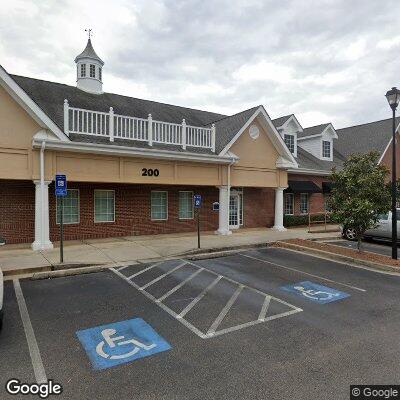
256 167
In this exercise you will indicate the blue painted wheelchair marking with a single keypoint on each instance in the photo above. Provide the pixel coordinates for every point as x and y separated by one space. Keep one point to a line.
314 292
121 342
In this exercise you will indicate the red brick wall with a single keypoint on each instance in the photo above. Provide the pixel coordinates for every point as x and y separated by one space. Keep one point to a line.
17 211
316 200
132 211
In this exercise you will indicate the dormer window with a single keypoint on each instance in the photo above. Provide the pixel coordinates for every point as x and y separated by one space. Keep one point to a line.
289 141
326 149
92 71
83 70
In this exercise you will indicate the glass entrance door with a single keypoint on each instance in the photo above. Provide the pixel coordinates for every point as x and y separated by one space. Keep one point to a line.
234 210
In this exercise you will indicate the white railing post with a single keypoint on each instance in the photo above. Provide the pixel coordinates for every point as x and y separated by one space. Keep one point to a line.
66 117
150 130
111 125
184 134
213 138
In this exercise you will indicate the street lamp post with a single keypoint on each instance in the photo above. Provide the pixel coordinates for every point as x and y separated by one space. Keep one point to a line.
393 98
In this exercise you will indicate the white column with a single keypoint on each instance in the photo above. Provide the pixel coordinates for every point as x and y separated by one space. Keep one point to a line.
278 225
223 228
42 231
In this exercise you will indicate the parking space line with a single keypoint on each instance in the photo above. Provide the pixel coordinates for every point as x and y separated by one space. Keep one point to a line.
199 297
161 305
302 272
37 363
174 289
162 276
144 270
264 309
224 311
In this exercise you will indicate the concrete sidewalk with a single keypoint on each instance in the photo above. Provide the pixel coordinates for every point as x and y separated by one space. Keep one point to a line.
20 258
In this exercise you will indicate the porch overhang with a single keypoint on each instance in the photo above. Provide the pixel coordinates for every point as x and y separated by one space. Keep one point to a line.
302 187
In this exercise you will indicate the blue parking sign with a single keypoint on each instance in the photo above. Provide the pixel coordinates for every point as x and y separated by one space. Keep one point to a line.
61 185
121 342
197 201
316 293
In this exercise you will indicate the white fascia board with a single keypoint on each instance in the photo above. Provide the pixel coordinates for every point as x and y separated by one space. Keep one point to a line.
334 134
305 171
20 96
309 137
388 145
289 120
276 138
125 151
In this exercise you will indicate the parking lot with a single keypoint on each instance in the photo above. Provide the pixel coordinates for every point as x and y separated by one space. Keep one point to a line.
263 324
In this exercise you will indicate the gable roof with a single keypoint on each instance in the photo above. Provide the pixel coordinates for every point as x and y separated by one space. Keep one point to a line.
281 120
307 161
313 130
372 136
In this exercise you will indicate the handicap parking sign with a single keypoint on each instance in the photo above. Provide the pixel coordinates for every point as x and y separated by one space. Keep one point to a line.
314 292
121 342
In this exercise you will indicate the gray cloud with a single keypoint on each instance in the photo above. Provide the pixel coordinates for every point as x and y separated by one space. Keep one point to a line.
326 60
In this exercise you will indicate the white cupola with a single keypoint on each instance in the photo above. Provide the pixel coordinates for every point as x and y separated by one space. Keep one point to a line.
89 70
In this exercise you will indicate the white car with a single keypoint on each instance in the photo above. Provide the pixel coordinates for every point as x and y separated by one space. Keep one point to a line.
1 297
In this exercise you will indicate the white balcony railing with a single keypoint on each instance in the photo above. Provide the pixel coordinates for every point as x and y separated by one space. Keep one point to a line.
111 126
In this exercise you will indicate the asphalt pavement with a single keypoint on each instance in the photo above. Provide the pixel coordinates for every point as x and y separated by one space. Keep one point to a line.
263 324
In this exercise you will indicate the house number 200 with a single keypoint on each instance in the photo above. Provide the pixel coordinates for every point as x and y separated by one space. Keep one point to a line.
150 172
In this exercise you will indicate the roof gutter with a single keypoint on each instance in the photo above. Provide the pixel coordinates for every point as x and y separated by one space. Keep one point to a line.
305 171
125 151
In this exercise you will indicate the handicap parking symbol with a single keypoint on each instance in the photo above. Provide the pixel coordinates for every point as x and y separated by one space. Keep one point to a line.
121 342
314 292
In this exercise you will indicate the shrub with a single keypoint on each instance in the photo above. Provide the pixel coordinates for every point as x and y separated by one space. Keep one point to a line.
297 220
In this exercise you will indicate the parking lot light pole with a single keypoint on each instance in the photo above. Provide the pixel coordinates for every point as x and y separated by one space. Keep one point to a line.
393 98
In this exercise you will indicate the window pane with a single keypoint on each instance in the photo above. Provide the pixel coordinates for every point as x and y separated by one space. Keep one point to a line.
289 203
104 206
92 71
159 205
289 140
185 205
326 149
70 207
83 70
303 203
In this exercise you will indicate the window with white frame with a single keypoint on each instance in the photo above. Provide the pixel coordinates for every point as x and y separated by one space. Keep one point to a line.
304 203
289 140
92 71
159 205
70 207
104 206
289 201
326 149
185 205
83 70
100 73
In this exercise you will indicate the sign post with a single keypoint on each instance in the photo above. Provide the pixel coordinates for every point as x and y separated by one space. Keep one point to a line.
197 205
61 192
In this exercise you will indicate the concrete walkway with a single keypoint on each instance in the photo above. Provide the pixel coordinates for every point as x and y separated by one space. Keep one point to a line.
14 258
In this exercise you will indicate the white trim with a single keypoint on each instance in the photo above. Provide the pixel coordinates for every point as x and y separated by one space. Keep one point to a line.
94 206
334 136
287 122
158 219
276 138
305 171
185 191
388 145
126 151
79 209
20 96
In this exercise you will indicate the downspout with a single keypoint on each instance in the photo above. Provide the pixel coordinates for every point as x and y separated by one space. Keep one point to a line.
42 193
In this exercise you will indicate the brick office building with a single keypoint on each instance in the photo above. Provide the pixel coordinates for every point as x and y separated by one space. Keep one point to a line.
133 165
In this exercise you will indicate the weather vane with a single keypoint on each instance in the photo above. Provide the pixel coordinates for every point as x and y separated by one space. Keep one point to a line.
89 31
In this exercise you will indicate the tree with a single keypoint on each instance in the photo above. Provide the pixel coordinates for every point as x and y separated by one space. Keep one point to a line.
360 193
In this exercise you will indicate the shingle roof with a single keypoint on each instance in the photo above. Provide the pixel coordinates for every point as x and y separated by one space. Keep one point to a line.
364 138
308 161
281 120
312 130
89 53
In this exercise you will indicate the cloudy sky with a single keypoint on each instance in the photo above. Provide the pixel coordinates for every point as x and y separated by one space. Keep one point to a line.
324 60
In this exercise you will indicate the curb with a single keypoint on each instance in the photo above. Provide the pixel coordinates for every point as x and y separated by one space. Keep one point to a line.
335 257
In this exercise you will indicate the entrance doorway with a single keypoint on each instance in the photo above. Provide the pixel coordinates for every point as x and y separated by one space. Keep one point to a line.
235 209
